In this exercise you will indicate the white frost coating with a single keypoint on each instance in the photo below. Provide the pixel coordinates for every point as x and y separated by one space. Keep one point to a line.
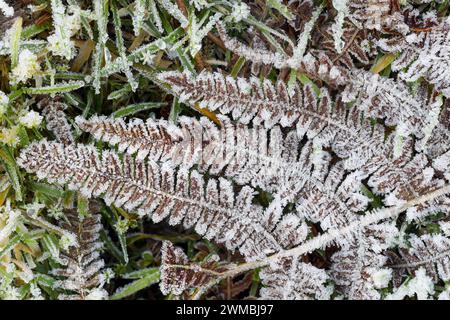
6 9
66 25
101 19
197 32
432 120
4 100
97 294
138 15
239 11
421 286
381 278
155 16
26 68
10 218
337 27
173 10
445 295
31 119
302 42
277 59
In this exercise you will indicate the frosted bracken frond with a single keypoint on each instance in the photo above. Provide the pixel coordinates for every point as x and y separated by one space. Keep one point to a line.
159 191
319 118
380 15
423 54
357 46
431 252
291 279
255 155
421 286
56 121
82 264
353 267
178 274
381 97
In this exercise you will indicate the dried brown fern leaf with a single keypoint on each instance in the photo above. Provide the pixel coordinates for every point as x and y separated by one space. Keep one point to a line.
356 46
56 120
212 207
380 15
302 11
291 279
328 122
354 267
267 158
82 269
385 98
179 275
423 54
334 203
429 251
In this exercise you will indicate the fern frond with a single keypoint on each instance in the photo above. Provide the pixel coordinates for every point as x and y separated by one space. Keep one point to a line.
56 120
381 15
266 158
329 123
356 46
82 267
290 279
423 54
429 251
178 274
381 97
353 267
338 205
212 206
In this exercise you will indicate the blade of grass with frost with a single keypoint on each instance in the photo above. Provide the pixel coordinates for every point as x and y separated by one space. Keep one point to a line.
69 76
175 111
267 32
15 41
337 27
57 88
149 276
101 12
154 14
111 247
148 49
135 108
281 8
119 93
10 245
186 62
101 16
48 190
125 65
299 50
197 31
138 15
7 159
237 67
175 12
32 45
35 29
